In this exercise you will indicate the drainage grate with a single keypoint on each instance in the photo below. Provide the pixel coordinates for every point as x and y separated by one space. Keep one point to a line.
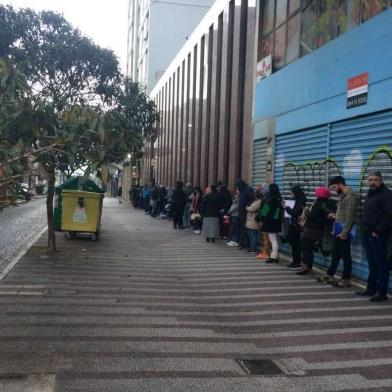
260 367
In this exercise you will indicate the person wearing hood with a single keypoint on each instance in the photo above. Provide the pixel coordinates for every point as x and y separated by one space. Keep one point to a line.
188 190
246 197
313 226
376 225
265 242
294 236
178 205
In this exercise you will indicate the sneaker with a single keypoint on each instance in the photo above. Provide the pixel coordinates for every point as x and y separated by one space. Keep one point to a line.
326 279
342 284
230 243
235 244
304 271
272 261
378 298
197 231
262 256
294 266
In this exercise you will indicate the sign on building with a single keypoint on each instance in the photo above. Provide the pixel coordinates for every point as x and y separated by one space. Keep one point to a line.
264 68
357 90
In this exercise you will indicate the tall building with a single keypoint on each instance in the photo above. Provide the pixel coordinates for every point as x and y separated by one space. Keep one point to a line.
157 29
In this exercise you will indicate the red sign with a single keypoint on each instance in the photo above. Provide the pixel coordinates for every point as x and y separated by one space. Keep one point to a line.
358 81
357 90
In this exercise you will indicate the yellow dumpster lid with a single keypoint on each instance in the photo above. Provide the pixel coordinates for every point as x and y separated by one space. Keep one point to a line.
90 195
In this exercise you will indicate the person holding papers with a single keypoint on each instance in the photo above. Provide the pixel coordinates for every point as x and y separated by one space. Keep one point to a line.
343 233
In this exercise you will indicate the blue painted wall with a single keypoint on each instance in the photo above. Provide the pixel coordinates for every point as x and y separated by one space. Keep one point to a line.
313 90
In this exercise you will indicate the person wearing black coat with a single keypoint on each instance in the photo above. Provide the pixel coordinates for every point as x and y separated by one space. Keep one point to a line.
272 220
178 205
224 200
210 211
313 229
246 197
294 229
376 225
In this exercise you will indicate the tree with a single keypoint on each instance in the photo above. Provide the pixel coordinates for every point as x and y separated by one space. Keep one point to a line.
75 109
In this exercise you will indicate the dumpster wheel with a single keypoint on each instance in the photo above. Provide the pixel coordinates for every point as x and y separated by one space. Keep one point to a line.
94 236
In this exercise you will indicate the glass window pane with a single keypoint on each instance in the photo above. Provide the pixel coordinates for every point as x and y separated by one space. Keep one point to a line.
268 16
267 45
309 30
294 5
372 8
349 15
327 22
280 46
281 12
293 33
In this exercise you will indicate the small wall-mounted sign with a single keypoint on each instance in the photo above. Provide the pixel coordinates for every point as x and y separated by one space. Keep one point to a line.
264 68
357 90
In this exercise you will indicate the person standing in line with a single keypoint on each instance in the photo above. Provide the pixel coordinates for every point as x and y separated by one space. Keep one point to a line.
376 225
210 213
246 197
314 226
187 209
119 194
146 198
265 242
294 235
130 192
272 220
235 227
154 200
251 224
178 205
224 201
342 232
196 206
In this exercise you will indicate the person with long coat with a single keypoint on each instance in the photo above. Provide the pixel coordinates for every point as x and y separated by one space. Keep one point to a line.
178 205
272 219
294 236
210 212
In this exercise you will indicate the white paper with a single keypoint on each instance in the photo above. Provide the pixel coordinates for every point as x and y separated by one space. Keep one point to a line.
288 203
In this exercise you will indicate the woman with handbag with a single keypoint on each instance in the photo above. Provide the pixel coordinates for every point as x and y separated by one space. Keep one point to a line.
294 235
313 222
196 204
271 218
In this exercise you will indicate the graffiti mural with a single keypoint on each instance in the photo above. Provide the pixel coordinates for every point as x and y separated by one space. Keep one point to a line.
309 175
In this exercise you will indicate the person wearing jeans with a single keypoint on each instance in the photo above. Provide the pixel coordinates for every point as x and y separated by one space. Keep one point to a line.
344 221
251 224
376 227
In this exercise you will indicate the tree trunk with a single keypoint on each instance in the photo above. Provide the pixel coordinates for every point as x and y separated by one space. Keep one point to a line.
49 208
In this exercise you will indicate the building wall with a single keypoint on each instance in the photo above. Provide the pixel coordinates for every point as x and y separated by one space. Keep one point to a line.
316 136
204 99
156 32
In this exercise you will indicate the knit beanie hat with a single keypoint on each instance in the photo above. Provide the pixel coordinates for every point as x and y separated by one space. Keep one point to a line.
322 192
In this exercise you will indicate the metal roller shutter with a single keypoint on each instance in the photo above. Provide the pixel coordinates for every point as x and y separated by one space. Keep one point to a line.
260 161
300 159
359 146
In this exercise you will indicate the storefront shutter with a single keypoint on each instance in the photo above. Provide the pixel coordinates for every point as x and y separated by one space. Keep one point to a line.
260 161
358 146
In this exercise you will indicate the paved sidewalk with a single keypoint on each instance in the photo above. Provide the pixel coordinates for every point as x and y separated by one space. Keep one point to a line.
18 228
147 308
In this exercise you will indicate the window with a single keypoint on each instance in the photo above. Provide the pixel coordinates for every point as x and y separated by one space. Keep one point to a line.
290 29
349 15
293 33
268 16
280 46
281 12
371 8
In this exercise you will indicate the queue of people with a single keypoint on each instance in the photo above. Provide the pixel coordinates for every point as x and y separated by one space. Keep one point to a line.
252 220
